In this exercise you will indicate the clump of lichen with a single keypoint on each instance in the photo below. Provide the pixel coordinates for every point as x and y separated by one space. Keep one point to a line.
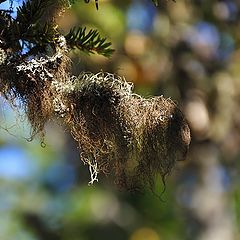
31 83
118 132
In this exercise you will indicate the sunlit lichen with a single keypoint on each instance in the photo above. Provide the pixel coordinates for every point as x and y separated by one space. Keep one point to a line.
118 131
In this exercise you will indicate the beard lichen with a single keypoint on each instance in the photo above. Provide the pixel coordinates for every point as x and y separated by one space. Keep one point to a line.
118 132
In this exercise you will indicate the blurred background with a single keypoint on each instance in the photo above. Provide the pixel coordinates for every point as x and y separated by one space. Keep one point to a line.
186 50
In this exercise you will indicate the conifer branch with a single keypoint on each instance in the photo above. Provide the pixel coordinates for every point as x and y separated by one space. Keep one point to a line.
31 11
89 42
41 34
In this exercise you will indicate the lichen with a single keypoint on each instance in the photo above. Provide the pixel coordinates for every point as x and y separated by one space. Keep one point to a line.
118 132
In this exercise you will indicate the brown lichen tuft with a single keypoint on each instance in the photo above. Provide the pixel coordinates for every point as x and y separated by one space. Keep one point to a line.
117 129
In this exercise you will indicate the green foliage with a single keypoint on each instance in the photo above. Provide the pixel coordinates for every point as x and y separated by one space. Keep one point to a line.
89 42
31 11
34 28
42 34
10 32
